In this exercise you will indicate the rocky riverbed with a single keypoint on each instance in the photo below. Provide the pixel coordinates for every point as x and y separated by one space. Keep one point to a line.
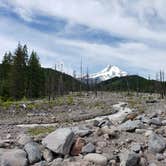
127 136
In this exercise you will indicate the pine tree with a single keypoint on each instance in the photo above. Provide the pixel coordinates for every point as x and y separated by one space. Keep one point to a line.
34 76
18 74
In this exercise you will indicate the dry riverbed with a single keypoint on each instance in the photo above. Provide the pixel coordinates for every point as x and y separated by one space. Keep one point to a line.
110 129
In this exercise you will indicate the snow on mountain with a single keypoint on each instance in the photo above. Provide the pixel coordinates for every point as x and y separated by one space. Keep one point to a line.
107 73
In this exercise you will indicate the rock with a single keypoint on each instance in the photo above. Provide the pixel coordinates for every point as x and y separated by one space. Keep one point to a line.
136 147
146 120
59 141
152 164
159 157
156 143
156 121
41 163
164 122
105 122
140 131
14 157
131 125
77 147
33 152
153 115
96 123
148 133
96 159
24 139
129 159
57 162
81 131
112 131
143 162
48 155
89 148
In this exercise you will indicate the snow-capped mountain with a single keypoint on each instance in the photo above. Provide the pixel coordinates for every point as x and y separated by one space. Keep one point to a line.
107 73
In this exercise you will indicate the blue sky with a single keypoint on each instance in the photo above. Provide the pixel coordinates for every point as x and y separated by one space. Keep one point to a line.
130 34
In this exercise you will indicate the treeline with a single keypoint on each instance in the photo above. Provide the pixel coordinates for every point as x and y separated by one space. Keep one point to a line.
134 83
21 75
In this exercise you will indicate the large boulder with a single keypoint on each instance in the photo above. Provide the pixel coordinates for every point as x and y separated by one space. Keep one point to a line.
97 159
156 143
33 151
131 125
14 157
59 141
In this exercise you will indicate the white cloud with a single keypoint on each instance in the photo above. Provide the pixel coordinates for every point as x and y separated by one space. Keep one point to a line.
121 17
132 20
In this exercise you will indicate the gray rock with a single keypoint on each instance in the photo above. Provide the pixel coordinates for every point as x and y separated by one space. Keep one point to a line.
48 155
146 120
160 157
57 162
129 159
156 143
81 131
131 125
89 148
136 147
153 115
97 159
152 164
164 122
14 157
156 121
41 163
24 139
59 141
33 152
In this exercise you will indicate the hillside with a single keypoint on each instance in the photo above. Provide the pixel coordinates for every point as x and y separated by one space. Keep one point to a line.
132 83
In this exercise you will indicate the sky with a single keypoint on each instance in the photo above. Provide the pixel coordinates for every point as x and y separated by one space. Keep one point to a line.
130 34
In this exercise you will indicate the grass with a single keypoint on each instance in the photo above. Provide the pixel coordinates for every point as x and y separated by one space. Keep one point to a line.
40 130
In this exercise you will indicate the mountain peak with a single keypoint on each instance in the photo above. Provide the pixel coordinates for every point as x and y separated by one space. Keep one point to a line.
107 73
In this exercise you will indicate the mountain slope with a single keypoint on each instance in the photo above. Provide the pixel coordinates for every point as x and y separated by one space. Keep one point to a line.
107 73
132 83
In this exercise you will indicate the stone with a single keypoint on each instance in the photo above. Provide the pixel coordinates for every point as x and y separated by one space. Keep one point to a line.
156 143
112 131
128 158
153 115
59 141
96 123
24 139
164 122
146 120
156 121
14 157
96 159
131 125
160 157
148 133
143 162
89 148
77 147
41 163
81 131
140 131
57 162
33 152
48 155
136 147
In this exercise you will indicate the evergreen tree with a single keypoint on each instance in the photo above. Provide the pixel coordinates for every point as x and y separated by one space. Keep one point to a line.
18 75
4 75
34 76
